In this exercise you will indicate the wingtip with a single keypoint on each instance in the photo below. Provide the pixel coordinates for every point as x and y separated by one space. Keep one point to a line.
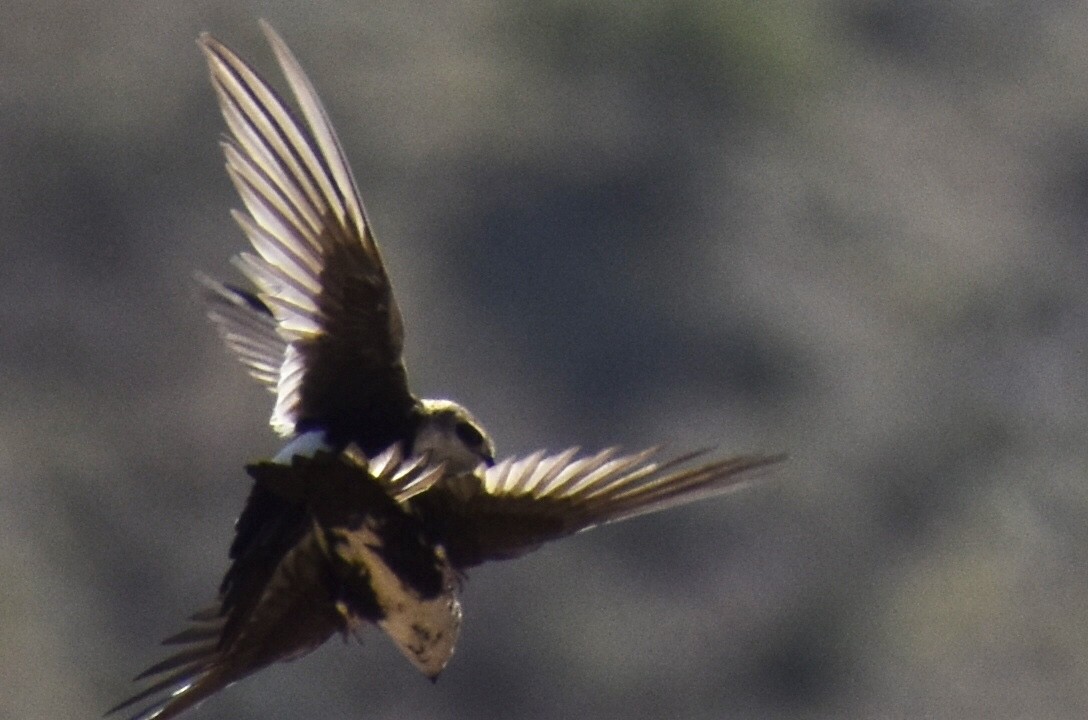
760 461
279 45
268 30
207 44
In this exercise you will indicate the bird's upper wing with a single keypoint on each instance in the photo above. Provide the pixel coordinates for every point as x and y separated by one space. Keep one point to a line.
517 505
248 328
317 268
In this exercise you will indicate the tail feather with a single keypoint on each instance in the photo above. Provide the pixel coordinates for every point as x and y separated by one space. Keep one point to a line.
186 693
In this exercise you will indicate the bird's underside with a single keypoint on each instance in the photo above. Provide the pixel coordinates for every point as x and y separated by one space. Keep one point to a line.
380 501
354 557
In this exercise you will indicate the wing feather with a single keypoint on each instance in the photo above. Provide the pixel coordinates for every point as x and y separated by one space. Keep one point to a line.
316 266
517 505
247 327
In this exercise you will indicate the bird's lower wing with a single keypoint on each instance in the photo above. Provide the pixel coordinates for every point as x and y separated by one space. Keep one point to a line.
293 615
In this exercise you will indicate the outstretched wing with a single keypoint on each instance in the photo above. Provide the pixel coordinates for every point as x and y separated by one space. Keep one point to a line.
317 268
517 505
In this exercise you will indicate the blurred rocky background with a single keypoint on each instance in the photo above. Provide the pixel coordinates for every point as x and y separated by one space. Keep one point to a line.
853 231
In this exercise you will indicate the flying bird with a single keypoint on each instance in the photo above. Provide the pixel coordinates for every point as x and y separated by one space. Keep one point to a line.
380 500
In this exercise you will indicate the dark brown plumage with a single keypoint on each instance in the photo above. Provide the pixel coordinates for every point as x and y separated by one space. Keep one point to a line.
380 500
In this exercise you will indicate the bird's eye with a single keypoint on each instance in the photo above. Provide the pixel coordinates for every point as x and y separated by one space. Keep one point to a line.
469 435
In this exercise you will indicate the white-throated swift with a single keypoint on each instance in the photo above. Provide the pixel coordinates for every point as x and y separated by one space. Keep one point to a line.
379 500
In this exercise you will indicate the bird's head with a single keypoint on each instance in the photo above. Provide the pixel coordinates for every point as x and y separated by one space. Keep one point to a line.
450 434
